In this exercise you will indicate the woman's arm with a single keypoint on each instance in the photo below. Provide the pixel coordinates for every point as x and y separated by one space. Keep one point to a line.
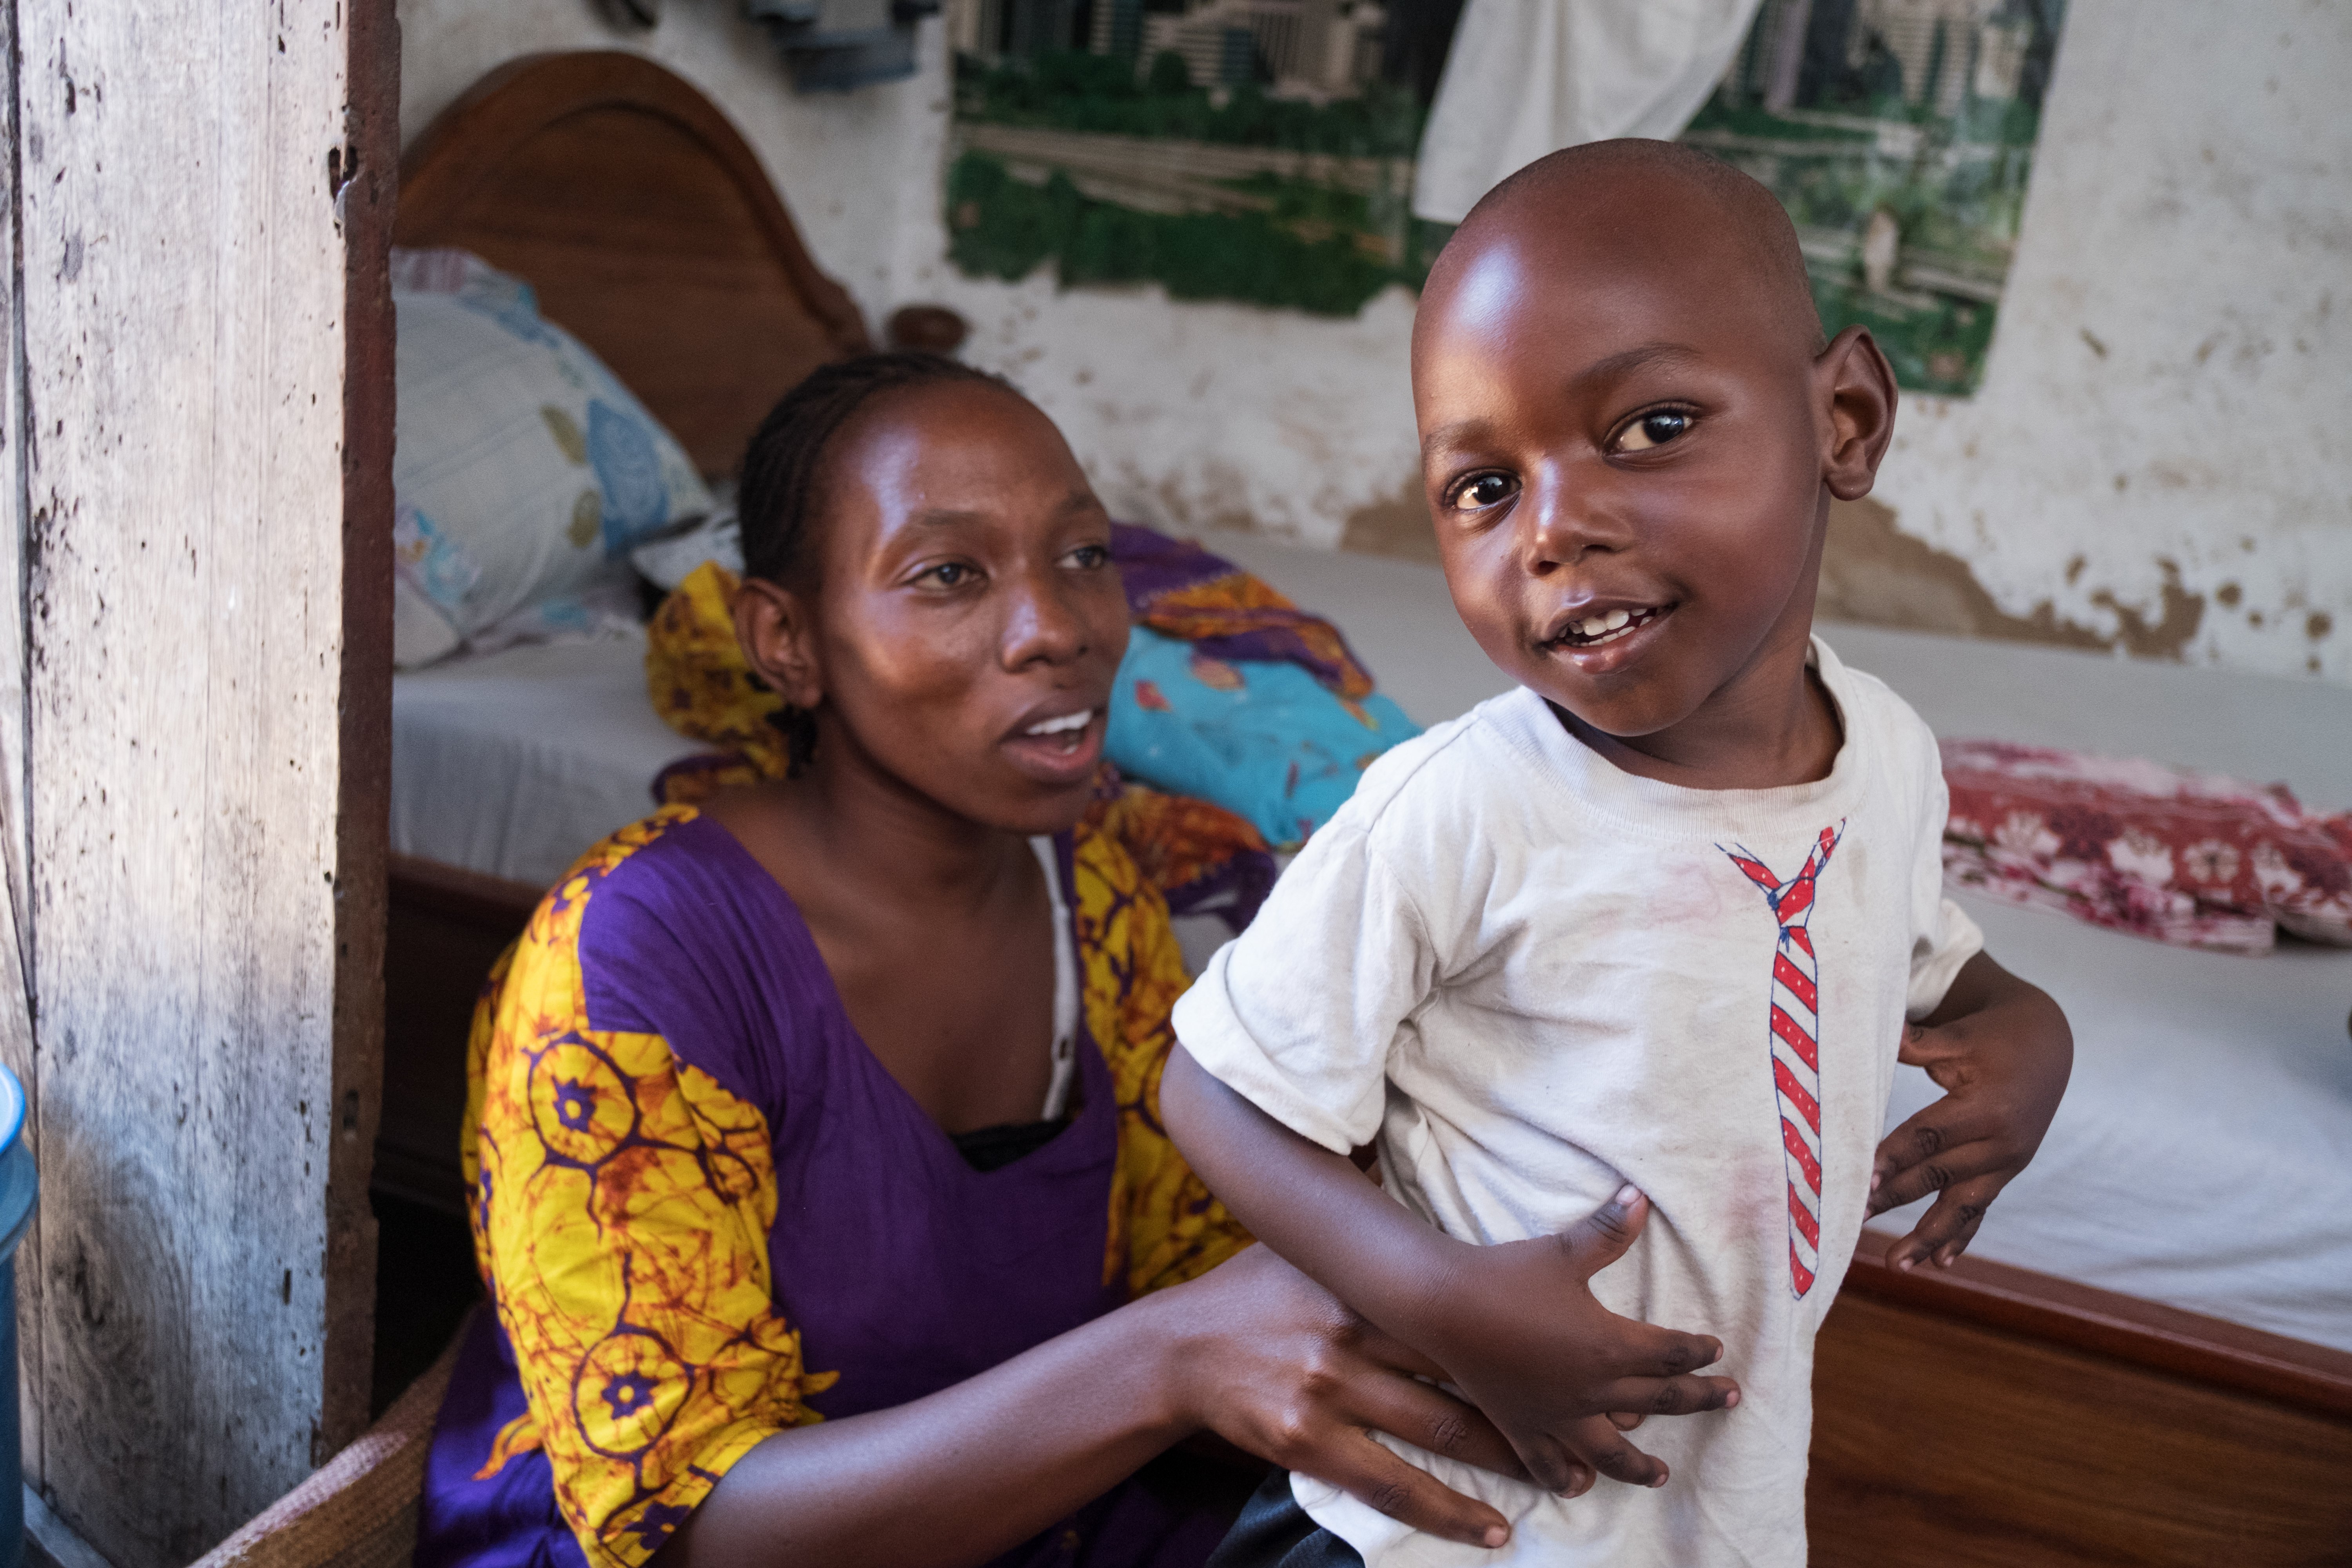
1253 1351
1515 1327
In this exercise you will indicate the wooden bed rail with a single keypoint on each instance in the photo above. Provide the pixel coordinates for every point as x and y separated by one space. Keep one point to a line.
2056 1312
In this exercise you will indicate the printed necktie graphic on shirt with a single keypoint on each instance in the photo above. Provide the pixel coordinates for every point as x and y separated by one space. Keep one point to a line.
1795 1035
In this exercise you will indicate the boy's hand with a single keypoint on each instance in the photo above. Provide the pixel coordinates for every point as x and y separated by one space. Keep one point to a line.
1519 1333
2000 1050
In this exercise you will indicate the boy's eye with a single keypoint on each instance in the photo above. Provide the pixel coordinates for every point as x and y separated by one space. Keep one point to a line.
1087 557
1652 430
947 574
1481 492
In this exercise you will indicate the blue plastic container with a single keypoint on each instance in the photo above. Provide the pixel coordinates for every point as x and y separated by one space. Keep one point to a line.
18 1186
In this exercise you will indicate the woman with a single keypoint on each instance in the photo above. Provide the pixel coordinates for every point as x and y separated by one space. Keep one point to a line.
817 1171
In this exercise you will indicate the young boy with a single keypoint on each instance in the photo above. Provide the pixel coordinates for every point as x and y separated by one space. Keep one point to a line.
1618 965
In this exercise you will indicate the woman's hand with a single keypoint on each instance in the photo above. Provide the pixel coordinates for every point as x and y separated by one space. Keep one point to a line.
1273 1363
1563 1377
2000 1050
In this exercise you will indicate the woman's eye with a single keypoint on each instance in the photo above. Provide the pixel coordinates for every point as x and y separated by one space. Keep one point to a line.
1485 490
1652 430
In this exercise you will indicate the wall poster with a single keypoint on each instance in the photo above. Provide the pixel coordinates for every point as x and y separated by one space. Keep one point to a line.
1261 151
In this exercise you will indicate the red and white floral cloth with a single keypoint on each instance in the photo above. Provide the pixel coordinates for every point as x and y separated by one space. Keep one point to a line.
2194 860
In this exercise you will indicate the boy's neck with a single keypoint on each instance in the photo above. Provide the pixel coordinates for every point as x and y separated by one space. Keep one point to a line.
1771 725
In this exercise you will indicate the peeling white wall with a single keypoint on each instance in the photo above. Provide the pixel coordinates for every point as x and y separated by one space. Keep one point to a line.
2172 381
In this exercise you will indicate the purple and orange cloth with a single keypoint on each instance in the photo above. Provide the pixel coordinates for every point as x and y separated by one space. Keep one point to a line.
1180 590
2194 860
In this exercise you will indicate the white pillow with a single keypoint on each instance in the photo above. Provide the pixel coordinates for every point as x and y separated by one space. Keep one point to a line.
524 473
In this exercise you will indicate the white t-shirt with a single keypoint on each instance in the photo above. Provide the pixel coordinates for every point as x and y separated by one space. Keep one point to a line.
1532 978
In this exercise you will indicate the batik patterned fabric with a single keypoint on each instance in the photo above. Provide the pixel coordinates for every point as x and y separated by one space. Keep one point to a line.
1202 858
663 1053
1180 590
2190 858
1795 1031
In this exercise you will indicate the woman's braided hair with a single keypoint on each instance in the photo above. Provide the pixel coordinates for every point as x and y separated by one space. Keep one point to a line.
781 495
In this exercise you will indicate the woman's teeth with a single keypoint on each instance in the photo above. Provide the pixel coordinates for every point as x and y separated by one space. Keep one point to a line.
1068 724
1609 627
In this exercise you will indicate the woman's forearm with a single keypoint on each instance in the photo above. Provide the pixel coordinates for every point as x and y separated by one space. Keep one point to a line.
962 1475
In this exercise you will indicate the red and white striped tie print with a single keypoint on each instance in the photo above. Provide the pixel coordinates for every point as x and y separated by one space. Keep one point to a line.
1795 1035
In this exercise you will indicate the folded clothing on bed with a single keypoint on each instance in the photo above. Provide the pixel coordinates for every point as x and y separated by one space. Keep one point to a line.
2194 860
1204 859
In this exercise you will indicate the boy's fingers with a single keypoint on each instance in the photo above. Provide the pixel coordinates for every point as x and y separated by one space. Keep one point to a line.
1669 1395
1600 1238
1667 1352
1601 1444
1626 1420
1377 1479
1947 1226
1951 1168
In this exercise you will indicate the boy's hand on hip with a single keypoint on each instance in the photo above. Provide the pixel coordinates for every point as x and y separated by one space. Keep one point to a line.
2000 1050
1519 1331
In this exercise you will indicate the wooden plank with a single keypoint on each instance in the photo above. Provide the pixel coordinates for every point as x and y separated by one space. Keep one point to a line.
365 206
15 928
2124 1328
1976 1445
194 872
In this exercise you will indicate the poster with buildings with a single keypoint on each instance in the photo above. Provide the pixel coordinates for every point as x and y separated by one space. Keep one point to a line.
1262 150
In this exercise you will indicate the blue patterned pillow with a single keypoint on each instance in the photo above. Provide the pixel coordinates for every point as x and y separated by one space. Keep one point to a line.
525 472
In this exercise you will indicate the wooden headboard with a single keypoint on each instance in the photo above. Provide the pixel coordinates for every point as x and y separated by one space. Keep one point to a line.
647 227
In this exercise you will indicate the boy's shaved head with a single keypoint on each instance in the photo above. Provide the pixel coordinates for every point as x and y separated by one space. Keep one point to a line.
1632 191
1631 431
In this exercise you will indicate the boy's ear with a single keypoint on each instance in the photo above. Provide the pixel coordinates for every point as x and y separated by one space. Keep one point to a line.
1856 388
778 640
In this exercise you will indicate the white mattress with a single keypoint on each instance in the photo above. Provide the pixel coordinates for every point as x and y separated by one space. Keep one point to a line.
2203 1156
516 762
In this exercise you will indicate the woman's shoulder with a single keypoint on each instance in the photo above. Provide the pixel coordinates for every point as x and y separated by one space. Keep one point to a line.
676 870
647 923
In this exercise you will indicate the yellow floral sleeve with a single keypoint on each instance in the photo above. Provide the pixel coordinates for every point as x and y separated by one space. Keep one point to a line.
1165 1228
621 1207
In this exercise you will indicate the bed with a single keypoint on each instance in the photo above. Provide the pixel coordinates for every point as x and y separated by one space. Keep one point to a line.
2149 1359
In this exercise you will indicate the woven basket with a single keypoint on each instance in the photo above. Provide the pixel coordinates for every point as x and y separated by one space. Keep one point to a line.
360 1510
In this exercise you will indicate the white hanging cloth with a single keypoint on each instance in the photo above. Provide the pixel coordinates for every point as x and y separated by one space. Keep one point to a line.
1529 77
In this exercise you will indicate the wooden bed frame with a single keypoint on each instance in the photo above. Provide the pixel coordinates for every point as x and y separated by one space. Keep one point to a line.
1983 1414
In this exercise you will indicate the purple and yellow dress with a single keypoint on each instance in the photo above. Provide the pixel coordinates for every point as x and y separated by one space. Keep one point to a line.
706 1212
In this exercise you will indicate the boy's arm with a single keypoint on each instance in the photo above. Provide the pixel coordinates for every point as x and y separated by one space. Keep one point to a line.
1515 1327
2000 1050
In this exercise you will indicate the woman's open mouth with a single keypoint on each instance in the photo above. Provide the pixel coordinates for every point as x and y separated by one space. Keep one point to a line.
1059 749
1068 731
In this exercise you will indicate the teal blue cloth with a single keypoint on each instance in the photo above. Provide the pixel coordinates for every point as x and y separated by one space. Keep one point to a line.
1261 739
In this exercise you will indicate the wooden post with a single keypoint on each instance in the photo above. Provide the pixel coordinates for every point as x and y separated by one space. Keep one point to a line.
194 682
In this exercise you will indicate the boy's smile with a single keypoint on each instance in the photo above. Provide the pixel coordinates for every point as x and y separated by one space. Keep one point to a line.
1629 442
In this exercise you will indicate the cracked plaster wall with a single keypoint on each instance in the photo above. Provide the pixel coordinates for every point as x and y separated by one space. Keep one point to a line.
2156 461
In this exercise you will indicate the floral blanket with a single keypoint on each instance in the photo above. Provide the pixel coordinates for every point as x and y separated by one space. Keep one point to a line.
2194 860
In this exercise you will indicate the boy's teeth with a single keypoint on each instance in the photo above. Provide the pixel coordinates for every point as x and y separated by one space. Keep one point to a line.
1068 721
1603 625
